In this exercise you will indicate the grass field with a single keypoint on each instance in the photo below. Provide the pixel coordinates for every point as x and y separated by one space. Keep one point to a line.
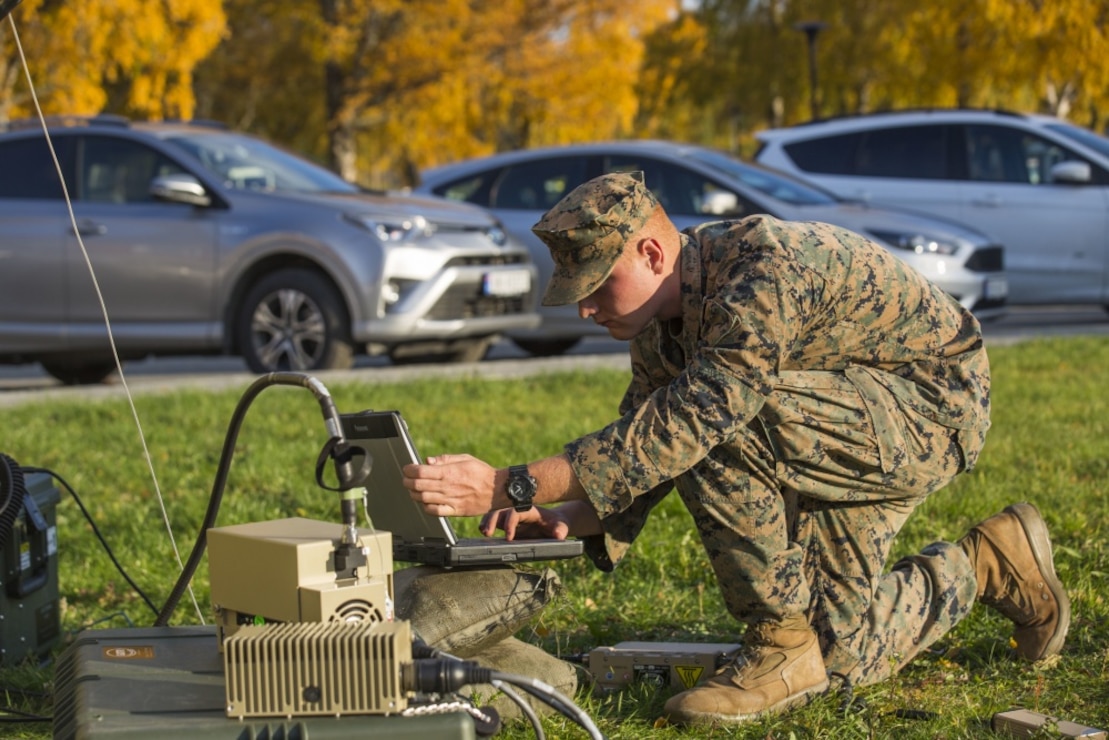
1048 445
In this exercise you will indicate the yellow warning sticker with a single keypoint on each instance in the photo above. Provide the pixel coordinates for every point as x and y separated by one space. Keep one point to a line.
689 674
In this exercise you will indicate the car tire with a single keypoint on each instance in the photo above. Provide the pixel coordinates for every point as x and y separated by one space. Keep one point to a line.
546 347
79 372
292 320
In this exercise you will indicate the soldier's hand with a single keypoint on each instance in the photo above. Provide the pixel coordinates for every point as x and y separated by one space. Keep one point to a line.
571 519
535 523
452 485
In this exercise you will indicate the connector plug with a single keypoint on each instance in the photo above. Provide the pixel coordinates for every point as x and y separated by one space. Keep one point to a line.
442 676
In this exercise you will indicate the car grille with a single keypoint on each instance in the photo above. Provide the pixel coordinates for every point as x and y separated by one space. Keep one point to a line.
987 259
984 303
465 301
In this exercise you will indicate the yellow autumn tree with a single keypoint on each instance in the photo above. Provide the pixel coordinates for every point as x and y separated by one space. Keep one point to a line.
382 88
724 68
1028 55
524 73
131 57
316 75
669 78
267 75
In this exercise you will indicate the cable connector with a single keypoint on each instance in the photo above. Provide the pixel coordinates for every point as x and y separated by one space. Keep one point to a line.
442 676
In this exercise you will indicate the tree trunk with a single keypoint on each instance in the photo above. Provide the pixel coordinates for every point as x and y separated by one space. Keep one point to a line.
342 147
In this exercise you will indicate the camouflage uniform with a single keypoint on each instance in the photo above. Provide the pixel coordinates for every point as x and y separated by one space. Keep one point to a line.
814 391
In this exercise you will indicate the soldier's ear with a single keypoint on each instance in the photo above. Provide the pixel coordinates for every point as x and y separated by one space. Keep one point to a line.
651 250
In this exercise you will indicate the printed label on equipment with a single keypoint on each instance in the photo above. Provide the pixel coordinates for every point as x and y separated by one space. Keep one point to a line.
119 652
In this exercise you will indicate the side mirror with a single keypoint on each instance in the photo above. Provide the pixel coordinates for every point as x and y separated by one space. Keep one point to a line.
180 188
720 203
1071 172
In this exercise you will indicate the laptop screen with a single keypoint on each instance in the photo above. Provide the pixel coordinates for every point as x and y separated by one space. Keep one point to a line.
384 435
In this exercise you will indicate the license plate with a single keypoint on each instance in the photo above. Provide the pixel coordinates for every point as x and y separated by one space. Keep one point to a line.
996 287
506 282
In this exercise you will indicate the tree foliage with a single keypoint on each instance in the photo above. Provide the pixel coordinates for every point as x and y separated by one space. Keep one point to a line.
1029 55
132 57
398 85
379 89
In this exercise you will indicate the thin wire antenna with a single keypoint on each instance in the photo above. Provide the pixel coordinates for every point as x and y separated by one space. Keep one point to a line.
103 310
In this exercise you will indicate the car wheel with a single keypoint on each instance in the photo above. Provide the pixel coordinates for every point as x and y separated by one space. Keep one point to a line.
74 372
292 320
463 350
546 347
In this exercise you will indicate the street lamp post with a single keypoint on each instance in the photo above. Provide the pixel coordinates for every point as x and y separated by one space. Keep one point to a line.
811 29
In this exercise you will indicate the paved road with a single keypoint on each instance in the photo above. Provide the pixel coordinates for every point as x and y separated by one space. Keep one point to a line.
20 383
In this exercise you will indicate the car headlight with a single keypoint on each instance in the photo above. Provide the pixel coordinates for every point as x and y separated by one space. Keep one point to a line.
394 229
916 242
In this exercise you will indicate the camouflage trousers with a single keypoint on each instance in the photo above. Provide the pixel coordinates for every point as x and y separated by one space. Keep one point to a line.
804 522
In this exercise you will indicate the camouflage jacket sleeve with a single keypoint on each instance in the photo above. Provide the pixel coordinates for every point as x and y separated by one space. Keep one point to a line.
761 296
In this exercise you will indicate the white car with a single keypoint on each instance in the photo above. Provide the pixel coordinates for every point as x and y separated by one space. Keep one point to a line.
1034 183
695 185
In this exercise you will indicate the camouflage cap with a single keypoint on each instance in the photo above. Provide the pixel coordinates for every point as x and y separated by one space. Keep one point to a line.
586 232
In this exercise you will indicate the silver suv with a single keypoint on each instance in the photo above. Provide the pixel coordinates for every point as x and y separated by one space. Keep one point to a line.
1036 184
206 241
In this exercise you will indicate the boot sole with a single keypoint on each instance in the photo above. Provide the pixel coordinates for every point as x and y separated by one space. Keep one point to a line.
714 718
1036 531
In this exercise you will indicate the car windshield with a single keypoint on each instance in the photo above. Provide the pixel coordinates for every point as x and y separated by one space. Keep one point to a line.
1098 143
246 163
769 183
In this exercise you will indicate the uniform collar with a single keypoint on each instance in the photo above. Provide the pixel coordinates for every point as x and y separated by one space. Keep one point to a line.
685 338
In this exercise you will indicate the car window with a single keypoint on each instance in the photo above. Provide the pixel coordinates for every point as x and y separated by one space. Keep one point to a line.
997 154
473 189
1097 142
1002 154
832 155
537 185
37 175
916 152
681 192
774 184
246 163
115 170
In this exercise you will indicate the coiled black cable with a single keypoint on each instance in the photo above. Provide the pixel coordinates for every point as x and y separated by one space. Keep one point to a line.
331 416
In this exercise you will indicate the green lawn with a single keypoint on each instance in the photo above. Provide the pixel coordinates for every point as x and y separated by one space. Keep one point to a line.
1048 445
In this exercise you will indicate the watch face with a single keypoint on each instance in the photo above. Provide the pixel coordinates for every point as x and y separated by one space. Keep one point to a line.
520 488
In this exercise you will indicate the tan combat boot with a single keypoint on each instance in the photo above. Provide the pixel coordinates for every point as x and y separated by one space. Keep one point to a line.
1011 553
780 667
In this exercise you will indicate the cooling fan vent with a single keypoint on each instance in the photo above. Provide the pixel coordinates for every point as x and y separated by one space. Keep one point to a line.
357 611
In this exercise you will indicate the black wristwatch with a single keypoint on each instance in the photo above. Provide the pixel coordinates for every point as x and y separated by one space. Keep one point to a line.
520 487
